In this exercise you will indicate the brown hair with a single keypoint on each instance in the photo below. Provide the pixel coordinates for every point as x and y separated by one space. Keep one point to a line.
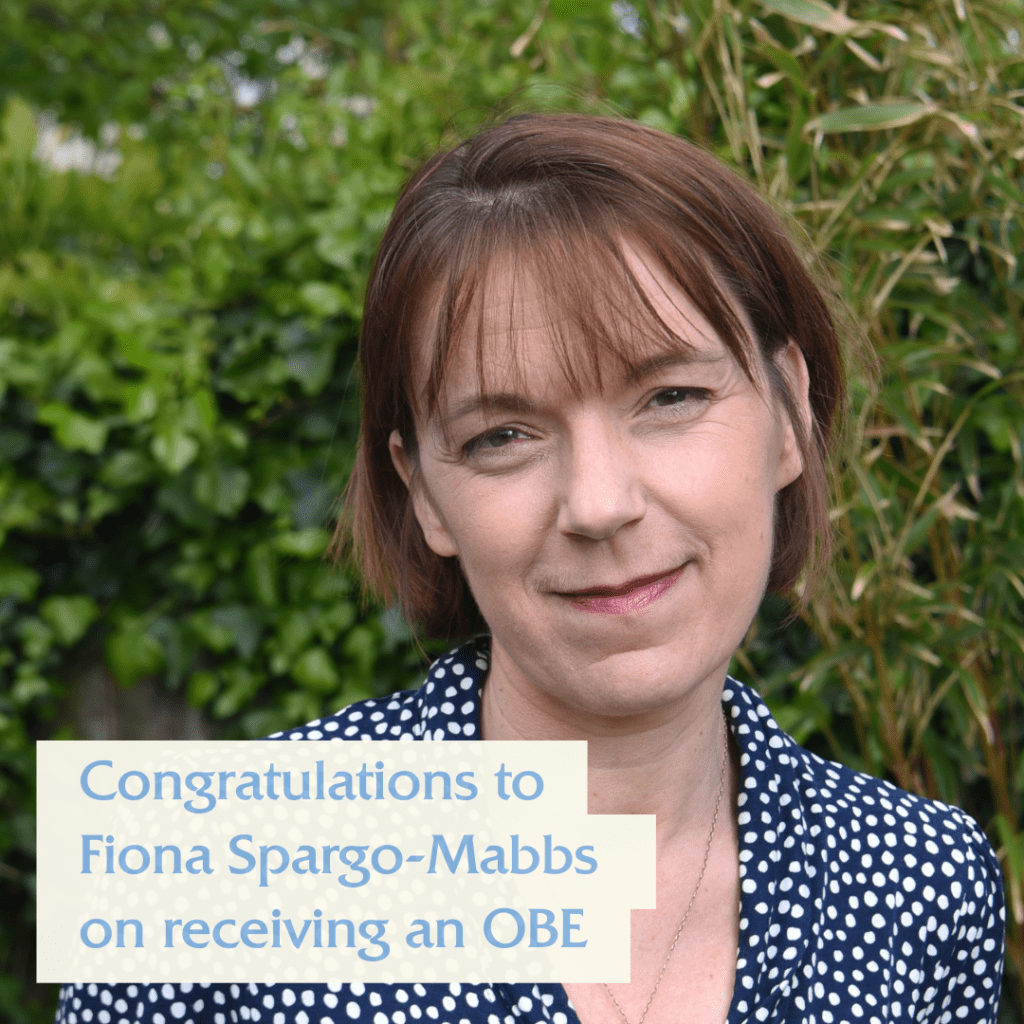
563 194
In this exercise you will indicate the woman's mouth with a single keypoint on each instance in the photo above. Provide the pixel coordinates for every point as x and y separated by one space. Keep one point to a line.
630 597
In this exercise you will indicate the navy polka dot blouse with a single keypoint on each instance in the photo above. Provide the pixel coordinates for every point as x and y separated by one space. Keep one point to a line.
859 902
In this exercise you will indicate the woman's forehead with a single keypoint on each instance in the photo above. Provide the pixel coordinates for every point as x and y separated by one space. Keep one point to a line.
518 325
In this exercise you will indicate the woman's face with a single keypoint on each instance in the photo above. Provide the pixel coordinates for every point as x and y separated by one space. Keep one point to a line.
617 543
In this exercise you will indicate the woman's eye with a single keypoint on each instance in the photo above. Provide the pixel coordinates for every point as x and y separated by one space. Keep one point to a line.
678 396
500 438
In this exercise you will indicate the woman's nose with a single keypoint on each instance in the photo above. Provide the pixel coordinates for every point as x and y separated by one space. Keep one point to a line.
600 488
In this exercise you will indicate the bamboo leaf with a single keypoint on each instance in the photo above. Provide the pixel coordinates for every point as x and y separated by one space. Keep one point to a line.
871 117
18 128
813 14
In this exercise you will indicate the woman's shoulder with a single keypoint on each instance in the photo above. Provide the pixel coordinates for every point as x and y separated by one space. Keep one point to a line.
837 795
863 875
445 706
833 795
866 835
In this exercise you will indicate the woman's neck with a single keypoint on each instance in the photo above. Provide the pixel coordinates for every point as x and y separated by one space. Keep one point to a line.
665 762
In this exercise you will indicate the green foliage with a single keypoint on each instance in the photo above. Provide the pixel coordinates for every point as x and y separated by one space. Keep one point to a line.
892 135
178 322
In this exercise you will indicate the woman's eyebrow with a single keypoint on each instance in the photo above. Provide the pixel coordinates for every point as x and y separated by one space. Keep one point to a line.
497 401
511 401
637 372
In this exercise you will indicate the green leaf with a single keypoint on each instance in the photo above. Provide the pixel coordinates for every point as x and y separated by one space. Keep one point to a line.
248 173
813 14
202 688
323 299
197 575
870 117
222 488
29 686
309 543
140 402
18 581
140 175
578 8
69 617
1014 847
240 685
334 620
19 128
294 631
361 645
126 468
261 566
74 431
217 636
20 502
339 251
315 670
311 366
13 443
993 420
36 638
244 624
174 449
132 653
99 502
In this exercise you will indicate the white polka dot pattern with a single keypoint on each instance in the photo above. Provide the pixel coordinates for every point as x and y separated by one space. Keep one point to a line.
859 902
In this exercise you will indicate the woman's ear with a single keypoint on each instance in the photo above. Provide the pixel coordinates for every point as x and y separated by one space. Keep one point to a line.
435 533
791 364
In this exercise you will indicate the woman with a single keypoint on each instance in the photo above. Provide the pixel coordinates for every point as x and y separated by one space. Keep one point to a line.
600 391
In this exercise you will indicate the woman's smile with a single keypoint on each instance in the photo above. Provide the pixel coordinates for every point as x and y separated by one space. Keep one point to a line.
627 599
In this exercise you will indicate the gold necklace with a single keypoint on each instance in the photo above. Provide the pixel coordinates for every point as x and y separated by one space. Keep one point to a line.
689 906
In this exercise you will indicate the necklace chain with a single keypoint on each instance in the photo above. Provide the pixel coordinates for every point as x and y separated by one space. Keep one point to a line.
689 906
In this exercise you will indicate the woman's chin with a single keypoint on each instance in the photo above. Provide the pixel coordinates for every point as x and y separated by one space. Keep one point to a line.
616 678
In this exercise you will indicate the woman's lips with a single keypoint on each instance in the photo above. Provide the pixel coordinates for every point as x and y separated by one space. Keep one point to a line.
630 597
